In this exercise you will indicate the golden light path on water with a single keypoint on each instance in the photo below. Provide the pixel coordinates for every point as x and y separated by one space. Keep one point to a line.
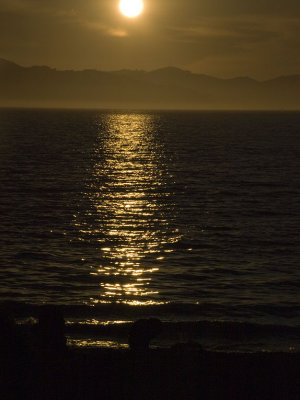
129 194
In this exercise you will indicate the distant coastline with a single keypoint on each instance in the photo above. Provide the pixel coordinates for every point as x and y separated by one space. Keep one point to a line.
166 88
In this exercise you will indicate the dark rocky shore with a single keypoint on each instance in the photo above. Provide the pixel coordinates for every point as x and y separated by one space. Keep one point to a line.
38 365
177 373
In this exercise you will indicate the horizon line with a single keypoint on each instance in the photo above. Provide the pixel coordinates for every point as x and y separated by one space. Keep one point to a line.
138 70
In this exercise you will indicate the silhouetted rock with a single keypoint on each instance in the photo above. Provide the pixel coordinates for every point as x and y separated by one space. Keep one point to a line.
187 347
51 331
142 332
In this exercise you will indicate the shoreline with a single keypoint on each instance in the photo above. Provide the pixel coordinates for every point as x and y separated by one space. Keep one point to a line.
213 336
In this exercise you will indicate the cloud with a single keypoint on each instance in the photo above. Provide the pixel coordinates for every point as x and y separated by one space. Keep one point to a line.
103 29
245 29
209 36
231 8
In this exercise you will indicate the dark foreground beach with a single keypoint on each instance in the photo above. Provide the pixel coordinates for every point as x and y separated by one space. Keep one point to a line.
37 364
182 372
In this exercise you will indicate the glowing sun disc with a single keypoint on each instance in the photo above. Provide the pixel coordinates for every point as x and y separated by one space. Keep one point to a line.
131 8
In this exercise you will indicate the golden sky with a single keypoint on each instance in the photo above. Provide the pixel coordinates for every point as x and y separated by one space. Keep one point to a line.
229 38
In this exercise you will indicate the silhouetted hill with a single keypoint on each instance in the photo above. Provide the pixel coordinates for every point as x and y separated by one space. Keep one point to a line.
6 66
41 86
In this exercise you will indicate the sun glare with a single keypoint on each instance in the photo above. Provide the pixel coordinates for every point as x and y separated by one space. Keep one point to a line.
131 8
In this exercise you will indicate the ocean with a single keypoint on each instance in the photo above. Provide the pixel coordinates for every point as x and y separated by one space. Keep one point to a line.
191 217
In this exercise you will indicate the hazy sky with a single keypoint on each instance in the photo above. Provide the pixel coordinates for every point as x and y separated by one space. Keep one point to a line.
257 38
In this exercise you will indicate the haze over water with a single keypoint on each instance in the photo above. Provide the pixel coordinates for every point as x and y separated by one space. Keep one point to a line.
193 214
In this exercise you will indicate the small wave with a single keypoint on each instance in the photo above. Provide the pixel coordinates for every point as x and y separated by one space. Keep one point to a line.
30 255
175 311
214 329
264 184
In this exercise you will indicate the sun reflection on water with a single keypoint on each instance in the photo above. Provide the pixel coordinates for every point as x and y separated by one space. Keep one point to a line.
132 217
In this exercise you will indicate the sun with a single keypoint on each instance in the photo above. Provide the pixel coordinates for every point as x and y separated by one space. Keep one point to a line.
131 8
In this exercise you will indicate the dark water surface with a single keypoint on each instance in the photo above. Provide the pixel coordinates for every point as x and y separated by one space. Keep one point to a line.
189 216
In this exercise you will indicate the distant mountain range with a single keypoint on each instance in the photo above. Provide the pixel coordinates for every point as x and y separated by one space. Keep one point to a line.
166 88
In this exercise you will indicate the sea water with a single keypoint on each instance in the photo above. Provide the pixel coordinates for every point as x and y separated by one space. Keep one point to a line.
192 217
